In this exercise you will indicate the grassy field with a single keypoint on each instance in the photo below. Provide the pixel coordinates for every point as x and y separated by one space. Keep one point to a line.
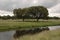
45 35
17 24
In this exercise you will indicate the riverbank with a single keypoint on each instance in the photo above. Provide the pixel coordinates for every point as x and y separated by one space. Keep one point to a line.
45 35
17 24
9 35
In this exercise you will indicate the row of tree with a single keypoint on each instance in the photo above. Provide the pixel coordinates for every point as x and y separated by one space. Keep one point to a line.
7 17
35 12
13 17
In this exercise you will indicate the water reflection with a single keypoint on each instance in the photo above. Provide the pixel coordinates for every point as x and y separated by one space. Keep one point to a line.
8 35
31 31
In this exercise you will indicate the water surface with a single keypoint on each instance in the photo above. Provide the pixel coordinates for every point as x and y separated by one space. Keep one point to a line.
53 27
8 35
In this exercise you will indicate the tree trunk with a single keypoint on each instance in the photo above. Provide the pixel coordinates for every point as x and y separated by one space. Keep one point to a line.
23 19
37 19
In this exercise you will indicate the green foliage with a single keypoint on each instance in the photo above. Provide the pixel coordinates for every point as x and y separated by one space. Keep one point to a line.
31 12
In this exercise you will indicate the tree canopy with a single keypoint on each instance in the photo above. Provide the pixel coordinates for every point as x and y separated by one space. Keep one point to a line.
37 12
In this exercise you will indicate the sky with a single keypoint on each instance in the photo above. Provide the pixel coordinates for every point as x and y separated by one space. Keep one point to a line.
52 5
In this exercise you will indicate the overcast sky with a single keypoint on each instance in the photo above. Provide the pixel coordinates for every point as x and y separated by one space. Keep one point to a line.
9 5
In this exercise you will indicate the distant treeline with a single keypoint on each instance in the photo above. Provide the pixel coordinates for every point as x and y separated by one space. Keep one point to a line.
13 17
7 17
54 17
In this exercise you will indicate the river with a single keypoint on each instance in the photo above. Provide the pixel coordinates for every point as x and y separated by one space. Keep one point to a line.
8 35
53 27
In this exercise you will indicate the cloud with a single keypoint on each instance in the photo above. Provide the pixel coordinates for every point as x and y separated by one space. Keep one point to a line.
9 5
5 13
54 14
55 9
52 5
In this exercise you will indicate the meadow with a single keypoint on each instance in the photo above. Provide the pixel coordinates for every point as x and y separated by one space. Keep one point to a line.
19 24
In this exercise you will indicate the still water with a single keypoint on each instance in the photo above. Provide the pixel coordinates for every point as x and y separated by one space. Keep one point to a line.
8 35
53 27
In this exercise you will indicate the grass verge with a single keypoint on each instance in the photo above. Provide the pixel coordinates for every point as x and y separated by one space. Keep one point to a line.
16 24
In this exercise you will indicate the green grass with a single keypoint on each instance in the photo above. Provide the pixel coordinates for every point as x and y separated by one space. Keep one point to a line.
17 24
45 35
